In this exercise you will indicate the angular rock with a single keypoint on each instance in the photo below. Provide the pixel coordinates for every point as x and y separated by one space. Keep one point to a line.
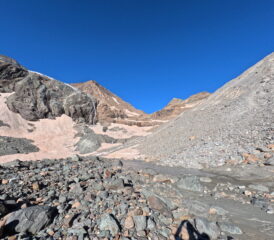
229 228
89 141
115 184
157 204
31 219
209 228
259 187
109 223
140 222
270 161
129 223
191 183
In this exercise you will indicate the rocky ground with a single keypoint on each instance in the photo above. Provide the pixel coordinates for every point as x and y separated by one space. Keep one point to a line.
94 198
227 137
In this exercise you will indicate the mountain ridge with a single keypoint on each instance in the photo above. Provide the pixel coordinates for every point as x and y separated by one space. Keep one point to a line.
234 120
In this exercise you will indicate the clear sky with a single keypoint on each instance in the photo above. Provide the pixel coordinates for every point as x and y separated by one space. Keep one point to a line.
145 51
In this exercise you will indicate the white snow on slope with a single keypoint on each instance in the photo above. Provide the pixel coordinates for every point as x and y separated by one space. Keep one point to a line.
115 100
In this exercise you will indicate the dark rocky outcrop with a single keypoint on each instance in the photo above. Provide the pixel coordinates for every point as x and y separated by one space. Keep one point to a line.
10 72
37 96
10 145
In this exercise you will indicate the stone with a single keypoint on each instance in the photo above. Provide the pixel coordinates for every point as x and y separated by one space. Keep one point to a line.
5 181
88 142
50 232
157 204
109 223
259 187
270 146
250 158
36 186
206 227
31 219
191 183
76 205
62 199
229 228
217 210
205 179
115 184
117 164
270 161
259 202
129 223
3 209
149 172
161 178
75 157
248 193
151 224
198 208
140 222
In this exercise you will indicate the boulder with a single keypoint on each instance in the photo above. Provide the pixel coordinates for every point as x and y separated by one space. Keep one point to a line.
206 227
37 96
109 223
31 219
191 183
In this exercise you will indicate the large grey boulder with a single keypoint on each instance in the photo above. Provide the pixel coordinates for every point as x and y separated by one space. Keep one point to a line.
37 96
31 219
191 183
88 141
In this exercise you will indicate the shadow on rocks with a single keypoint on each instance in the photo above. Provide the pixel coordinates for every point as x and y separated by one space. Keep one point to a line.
187 231
29 220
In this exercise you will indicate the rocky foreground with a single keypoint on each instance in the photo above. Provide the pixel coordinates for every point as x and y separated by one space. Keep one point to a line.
94 198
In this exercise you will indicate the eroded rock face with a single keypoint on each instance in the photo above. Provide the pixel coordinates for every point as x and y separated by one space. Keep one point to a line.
37 96
10 73
112 109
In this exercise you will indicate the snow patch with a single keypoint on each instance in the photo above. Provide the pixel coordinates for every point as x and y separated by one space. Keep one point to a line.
132 114
41 74
75 89
115 100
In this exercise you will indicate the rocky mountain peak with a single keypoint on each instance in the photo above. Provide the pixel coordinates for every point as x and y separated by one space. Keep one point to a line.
111 108
7 60
176 106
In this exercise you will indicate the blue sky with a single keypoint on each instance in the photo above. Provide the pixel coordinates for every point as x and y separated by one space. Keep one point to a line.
145 51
